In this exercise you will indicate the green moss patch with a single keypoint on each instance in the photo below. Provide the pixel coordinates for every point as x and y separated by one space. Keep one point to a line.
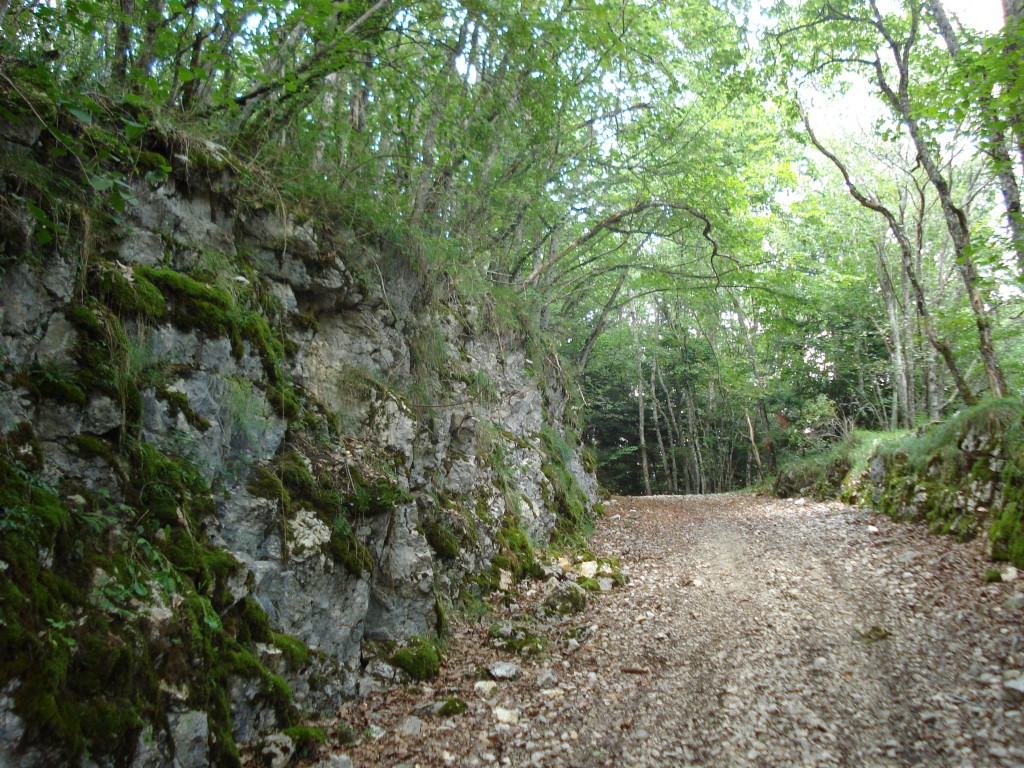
306 739
75 636
419 659
58 383
442 538
452 706
130 293
516 638
574 517
959 477
295 481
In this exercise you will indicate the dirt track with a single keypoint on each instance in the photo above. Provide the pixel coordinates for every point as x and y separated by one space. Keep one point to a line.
753 631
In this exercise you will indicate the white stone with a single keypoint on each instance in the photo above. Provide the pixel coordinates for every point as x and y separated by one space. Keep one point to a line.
588 569
410 726
506 716
335 761
1015 684
278 750
504 670
307 534
546 678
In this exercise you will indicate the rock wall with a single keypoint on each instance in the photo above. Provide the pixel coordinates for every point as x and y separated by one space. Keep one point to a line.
248 456
963 477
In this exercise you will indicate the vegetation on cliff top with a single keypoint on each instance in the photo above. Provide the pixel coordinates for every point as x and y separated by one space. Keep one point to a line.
962 476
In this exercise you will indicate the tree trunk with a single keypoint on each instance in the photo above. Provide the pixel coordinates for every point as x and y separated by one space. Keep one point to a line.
655 411
753 445
906 256
602 319
956 220
746 336
641 412
999 147
122 41
675 430
696 439
899 388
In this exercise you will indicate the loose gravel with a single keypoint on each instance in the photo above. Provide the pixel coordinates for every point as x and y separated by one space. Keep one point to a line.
753 632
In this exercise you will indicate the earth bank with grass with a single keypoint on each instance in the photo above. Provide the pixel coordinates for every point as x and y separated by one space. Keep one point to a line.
963 476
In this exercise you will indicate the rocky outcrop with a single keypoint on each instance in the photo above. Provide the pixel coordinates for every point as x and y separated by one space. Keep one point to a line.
964 477
237 448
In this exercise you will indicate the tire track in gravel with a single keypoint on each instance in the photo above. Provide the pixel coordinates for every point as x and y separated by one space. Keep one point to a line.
779 642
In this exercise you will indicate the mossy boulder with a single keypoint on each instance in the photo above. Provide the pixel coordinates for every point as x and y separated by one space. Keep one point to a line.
419 659
566 598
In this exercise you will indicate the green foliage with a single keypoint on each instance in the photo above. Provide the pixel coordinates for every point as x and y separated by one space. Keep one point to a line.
441 537
60 384
572 507
516 638
961 476
130 294
77 626
179 404
348 550
515 555
835 471
339 501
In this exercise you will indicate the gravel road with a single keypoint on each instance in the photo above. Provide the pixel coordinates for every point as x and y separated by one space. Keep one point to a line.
753 632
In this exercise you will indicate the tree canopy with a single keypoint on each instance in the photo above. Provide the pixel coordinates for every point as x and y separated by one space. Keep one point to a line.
737 270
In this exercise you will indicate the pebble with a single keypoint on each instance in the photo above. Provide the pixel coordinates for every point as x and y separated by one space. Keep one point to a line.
504 670
546 678
410 726
1015 683
335 761
505 715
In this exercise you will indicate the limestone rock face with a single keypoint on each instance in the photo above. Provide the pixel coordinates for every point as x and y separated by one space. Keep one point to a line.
420 413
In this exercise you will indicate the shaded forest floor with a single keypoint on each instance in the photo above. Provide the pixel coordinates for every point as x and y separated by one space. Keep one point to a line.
753 631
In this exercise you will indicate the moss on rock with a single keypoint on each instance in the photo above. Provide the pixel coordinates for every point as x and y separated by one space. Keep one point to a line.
419 659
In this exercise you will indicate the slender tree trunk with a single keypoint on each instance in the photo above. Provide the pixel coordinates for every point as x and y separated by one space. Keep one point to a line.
935 395
747 336
907 326
956 220
753 445
641 406
641 427
906 255
899 388
675 431
602 319
700 474
655 411
122 40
